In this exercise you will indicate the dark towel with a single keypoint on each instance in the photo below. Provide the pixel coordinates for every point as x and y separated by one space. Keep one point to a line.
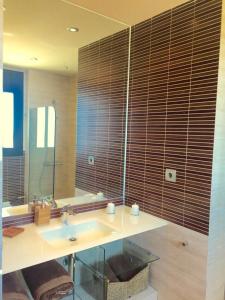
48 281
126 266
107 271
13 288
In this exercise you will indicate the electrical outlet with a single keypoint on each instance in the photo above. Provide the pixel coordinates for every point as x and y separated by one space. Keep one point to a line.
91 160
171 175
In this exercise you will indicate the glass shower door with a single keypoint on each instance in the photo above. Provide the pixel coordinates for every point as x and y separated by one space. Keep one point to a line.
41 153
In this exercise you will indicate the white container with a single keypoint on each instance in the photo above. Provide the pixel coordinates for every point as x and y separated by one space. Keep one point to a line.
135 210
111 208
100 196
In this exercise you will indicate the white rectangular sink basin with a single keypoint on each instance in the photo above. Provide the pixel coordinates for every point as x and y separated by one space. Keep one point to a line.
69 235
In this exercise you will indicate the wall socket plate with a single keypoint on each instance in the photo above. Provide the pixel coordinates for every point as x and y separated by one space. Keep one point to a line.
91 160
171 175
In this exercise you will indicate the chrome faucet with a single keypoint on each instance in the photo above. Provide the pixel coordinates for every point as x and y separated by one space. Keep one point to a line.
54 204
67 211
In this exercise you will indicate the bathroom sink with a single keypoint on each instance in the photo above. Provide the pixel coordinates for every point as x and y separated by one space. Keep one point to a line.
69 235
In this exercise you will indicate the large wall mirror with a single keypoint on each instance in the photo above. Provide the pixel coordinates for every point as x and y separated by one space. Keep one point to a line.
65 89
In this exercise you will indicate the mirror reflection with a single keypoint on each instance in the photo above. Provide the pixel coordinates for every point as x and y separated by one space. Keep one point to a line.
64 82
42 126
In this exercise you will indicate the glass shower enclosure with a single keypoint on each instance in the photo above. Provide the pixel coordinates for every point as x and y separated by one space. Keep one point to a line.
42 127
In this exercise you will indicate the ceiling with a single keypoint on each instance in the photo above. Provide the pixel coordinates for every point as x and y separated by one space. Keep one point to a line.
129 11
35 34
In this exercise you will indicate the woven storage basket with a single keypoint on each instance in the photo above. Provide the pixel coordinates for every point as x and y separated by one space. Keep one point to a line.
124 290
117 291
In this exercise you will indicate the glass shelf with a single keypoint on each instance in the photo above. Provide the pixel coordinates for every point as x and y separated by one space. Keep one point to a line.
113 262
90 282
130 260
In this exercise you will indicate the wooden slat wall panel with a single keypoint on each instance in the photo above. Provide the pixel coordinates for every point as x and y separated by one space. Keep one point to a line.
101 114
13 179
173 88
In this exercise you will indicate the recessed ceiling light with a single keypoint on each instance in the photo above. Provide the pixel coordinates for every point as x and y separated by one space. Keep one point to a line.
72 29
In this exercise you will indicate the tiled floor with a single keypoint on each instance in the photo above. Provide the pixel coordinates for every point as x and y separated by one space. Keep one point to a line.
149 294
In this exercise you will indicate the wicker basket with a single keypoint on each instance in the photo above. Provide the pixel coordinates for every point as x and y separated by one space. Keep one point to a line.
124 290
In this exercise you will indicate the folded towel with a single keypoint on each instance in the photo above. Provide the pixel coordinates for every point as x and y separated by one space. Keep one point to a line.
48 281
126 266
13 289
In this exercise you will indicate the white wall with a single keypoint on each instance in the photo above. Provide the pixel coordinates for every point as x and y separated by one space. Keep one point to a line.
180 274
216 247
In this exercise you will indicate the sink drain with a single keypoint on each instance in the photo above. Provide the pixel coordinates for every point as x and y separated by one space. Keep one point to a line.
72 239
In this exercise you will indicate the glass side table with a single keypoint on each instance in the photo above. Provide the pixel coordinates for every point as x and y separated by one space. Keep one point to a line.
128 262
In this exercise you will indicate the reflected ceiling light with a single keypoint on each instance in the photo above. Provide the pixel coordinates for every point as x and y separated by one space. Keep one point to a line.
34 59
72 29
8 34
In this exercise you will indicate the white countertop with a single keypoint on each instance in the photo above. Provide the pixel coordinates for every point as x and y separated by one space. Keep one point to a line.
81 197
29 248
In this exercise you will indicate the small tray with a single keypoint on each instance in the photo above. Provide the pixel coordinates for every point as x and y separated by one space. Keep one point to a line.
12 231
